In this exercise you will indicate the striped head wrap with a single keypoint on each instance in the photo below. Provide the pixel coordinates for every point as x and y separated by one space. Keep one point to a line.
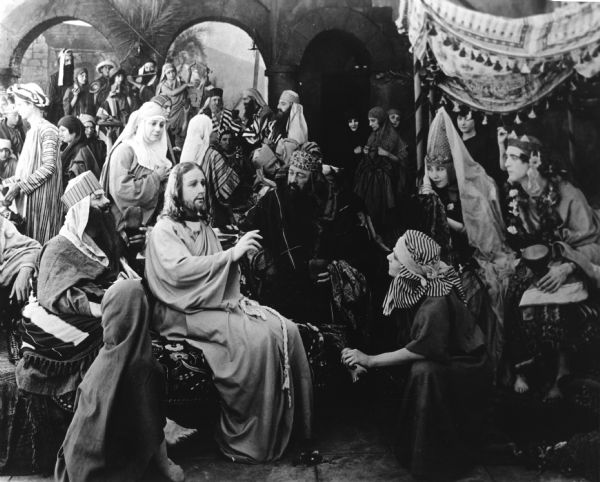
422 273
30 92
79 188
305 160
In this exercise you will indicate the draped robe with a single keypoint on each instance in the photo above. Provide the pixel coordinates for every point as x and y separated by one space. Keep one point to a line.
197 286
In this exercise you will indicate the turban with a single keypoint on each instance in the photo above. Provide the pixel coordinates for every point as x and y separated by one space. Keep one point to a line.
378 113
306 161
256 96
215 92
87 118
5 144
79 188
105 63
313 149
263 156
289 96
30 92
422 273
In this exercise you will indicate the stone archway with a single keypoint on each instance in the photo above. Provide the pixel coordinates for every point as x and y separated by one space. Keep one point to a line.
306 28
24 26
252 16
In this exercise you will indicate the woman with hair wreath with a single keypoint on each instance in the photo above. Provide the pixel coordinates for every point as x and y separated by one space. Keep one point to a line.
552 309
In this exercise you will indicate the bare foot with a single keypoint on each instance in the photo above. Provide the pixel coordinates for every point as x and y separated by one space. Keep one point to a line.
174 472
357 372
175 433
521 385
166 466
554 393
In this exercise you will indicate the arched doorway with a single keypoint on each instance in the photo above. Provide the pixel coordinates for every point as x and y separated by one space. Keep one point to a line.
40 58
227 52
334 80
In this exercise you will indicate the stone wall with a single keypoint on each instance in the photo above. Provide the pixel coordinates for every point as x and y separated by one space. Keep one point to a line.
40 59
35 63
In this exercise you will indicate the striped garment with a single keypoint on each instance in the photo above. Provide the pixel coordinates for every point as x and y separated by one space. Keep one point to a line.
224 123
42 184
257 131
59 338
222 179
421 273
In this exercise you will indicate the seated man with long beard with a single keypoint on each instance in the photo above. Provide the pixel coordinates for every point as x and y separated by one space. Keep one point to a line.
89 332
259 363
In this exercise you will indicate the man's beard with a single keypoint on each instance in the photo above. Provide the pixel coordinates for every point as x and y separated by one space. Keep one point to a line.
68 72
282 115
104 232
250 109
194 212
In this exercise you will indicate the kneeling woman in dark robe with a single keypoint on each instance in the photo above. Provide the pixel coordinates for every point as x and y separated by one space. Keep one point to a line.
448 373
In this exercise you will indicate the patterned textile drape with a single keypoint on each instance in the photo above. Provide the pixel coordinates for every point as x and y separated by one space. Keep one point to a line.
498 64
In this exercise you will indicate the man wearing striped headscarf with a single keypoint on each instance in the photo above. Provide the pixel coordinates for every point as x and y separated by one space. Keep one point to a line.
448 375
76 268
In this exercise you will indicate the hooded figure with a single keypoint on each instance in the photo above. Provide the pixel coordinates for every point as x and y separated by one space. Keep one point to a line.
137 168
380 178
58 84
76 156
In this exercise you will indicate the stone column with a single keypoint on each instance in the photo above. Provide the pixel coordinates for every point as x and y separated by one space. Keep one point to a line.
281 77
7 77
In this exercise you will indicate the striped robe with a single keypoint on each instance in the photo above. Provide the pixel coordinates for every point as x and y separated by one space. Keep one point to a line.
221 181
42 185
224 123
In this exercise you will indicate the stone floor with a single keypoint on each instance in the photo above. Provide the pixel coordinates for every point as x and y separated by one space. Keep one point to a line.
354 448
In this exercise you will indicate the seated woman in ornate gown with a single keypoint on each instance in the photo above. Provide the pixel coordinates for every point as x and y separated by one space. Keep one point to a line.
458 206
448 372
552 309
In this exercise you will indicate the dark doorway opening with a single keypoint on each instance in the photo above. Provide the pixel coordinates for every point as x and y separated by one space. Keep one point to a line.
334 81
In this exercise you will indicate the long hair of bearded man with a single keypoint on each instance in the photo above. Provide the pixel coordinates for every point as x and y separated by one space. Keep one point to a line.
175 210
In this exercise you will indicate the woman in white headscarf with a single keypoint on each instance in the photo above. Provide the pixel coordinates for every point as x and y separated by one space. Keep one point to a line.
137 170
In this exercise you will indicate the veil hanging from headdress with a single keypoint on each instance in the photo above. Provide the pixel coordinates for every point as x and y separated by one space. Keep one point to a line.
482 217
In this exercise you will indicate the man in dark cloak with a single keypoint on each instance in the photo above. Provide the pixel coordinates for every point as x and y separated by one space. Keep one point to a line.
58 84
305 256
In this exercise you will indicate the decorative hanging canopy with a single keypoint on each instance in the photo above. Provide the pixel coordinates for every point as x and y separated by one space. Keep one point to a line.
502 65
